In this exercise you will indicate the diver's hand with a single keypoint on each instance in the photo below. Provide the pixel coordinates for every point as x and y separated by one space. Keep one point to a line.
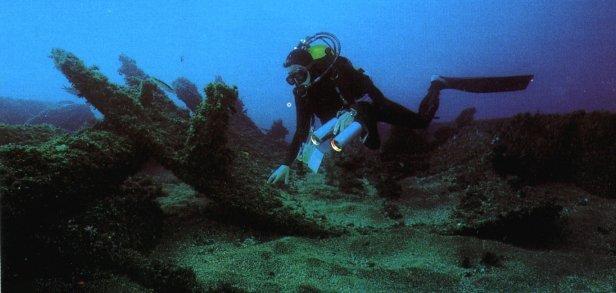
344 120
279 174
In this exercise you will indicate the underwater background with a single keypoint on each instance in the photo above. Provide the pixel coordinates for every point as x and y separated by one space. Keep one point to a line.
568 45
136 139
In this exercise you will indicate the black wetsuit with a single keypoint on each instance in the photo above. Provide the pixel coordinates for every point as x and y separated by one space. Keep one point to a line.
347 87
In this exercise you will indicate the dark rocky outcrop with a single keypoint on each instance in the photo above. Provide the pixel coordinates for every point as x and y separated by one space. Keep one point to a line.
133 75
63 213
488 206
18 111
578 147
27 134
70 117
187 92
277 131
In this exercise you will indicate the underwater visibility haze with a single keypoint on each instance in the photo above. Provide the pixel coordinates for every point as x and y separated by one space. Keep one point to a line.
308 146
568 45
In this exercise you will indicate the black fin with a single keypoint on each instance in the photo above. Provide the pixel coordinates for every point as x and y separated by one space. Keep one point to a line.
489 84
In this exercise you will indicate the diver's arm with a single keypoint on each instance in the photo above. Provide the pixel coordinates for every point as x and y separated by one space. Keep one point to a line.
352 81
301 131
281 174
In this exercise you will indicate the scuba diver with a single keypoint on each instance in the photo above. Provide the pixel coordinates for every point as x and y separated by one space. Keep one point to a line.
349 105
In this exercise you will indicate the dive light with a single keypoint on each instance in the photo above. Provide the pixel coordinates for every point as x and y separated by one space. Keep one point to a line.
322 141
347 135
324 132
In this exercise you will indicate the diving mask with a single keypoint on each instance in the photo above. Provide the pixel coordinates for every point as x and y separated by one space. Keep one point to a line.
298 75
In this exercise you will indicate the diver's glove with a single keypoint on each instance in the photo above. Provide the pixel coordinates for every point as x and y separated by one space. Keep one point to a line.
345 118
279 174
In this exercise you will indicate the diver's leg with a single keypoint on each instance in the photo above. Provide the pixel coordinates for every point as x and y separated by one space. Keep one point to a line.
393 113
366 115
429 104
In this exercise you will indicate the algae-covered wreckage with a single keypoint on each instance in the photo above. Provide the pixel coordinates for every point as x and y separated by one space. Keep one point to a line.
525 203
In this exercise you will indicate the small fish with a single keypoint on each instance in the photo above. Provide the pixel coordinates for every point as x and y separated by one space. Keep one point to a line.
162 85
65 103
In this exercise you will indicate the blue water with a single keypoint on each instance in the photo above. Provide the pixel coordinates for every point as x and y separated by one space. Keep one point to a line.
569 45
